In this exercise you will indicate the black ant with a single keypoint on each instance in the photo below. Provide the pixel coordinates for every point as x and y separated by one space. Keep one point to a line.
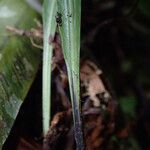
59 19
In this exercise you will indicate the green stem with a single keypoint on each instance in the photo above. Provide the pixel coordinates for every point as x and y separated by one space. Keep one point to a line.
49 24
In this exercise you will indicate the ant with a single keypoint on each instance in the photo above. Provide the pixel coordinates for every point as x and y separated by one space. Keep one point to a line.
59 19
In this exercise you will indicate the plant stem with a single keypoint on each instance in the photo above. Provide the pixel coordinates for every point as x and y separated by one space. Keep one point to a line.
49 24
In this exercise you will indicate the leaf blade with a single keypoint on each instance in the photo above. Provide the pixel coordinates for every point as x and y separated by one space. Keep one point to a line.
49 24
18 63
70 36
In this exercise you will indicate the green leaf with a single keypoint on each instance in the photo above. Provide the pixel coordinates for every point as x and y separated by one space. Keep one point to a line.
49 27
18 62
144 6
126 66
128 106
69 14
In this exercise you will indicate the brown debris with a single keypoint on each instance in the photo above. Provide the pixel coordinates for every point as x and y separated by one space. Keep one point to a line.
98 121
60 126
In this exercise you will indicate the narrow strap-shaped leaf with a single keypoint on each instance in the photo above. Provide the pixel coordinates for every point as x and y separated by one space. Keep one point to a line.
49 25
69 12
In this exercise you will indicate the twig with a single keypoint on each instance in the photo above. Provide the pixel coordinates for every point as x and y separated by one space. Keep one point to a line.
33 33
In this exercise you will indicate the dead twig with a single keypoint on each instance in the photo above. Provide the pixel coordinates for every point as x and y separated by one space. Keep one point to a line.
33 33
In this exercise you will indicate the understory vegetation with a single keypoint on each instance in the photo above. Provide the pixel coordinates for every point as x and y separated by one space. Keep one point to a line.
74 74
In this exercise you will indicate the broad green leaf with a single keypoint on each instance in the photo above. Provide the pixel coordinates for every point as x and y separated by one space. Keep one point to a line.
49 27
69 14
18 62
